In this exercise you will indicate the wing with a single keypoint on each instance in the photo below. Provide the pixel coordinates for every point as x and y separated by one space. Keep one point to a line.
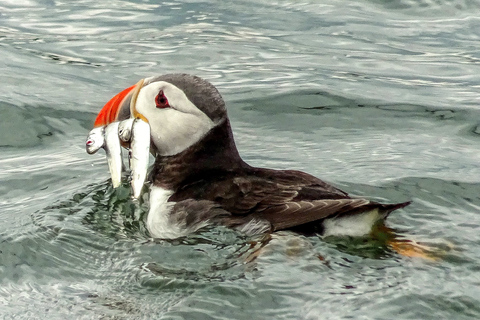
284 198
292 214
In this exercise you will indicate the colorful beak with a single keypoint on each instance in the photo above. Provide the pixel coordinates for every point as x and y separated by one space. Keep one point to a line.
133 102
111 110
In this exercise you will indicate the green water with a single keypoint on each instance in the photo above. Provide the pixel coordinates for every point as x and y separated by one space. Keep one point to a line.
377 97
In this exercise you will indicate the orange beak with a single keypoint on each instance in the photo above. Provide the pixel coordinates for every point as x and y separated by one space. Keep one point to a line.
110 110
125 99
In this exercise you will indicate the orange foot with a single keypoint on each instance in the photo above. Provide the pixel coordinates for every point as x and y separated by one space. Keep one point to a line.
409 248
406 247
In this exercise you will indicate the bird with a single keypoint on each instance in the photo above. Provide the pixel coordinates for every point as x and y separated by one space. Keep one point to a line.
198 177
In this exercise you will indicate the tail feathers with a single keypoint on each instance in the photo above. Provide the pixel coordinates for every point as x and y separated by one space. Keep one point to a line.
388 208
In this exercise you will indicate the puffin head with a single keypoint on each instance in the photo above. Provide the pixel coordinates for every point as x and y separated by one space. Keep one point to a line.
180 108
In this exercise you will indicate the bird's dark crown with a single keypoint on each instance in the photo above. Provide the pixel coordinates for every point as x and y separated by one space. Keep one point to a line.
199 91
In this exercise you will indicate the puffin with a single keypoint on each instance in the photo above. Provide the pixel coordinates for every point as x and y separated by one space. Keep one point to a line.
198 177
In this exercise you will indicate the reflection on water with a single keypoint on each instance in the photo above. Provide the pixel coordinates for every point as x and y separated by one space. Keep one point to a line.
378 97
98 235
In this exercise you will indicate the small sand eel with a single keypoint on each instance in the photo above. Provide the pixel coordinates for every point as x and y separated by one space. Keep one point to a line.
139 155
114 153
106 137
125 129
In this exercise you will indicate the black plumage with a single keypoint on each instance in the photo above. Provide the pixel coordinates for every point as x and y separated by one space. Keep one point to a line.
211 182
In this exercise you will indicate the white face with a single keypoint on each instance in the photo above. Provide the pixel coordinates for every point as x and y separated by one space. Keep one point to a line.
176 127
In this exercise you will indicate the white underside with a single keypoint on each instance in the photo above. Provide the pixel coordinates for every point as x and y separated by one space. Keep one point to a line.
354 226
162 222
158 219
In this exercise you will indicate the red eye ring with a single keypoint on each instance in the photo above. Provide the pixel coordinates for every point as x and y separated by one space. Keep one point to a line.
161 101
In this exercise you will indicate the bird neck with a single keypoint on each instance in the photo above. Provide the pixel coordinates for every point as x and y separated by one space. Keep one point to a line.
215 153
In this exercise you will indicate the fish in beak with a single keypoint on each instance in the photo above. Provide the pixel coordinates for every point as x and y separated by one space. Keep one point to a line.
120 124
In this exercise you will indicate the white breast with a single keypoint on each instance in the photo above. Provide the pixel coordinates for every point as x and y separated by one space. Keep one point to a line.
159 223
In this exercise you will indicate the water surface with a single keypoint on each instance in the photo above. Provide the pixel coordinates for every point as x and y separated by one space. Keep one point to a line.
377 97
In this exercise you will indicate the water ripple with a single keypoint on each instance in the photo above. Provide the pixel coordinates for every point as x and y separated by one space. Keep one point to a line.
378 97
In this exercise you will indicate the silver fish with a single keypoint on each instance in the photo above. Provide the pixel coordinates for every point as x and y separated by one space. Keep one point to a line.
125 129
139 156
113 151
95 140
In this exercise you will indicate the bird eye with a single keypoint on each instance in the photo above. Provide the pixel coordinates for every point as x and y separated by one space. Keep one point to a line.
161 101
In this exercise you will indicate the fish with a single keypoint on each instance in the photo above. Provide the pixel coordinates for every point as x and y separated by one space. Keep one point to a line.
135 131
106 137
139 155
95 140
125 129
113 152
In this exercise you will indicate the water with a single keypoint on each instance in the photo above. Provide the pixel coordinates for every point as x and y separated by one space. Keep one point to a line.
378 97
